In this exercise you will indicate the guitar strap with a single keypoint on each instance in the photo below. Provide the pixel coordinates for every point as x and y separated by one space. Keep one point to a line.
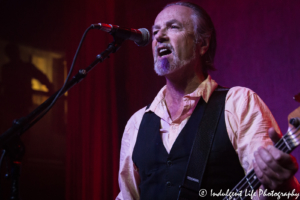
202 144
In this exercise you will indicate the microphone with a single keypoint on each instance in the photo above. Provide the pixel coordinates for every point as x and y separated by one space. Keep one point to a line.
141 36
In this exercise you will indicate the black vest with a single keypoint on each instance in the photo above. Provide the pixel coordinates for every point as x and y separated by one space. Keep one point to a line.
162 173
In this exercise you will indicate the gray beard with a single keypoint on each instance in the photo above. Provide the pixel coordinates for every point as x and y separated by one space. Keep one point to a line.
163 66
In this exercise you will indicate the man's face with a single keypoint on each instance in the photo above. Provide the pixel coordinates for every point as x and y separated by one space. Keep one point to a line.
173 43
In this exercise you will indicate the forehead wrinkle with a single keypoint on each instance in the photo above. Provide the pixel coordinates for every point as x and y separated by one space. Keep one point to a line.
172 21
167 23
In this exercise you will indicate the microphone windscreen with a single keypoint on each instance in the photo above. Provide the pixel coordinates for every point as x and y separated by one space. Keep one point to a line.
145 37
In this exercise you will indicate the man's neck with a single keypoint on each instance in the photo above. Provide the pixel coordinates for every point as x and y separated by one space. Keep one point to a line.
177 88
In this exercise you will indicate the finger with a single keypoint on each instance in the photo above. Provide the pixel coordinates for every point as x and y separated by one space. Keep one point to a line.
270 173
267 164
264 180
275 137
285 160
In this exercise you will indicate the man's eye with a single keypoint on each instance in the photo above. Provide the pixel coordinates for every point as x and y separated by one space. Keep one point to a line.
176 27
155 32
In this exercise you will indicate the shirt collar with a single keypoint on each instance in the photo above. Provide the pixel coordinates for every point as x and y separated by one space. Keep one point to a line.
204 90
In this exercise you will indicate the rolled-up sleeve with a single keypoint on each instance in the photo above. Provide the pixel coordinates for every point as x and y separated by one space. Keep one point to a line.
247 120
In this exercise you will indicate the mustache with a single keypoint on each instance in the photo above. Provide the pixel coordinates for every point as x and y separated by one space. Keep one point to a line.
169 46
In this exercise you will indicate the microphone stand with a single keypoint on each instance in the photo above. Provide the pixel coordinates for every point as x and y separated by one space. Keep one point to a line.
10 139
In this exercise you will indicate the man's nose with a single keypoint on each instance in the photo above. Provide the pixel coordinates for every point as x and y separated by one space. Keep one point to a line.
161 36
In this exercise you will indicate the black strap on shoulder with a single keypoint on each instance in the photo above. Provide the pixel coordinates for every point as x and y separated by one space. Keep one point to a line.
189 190
148 106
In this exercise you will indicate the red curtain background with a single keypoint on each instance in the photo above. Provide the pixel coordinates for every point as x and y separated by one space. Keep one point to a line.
92 140
258 47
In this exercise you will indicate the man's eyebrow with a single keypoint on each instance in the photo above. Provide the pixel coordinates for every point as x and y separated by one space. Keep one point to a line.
172 21
167 23
155 27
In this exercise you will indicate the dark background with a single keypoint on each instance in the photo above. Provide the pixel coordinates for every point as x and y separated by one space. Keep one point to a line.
77 156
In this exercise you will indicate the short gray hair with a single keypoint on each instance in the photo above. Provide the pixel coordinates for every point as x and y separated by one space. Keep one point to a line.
204 28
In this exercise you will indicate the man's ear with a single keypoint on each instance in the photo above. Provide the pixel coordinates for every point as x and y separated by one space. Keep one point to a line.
204 46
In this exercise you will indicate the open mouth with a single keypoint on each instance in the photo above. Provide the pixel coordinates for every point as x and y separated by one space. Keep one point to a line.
164 51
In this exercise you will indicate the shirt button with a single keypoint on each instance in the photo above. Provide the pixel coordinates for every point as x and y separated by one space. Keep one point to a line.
168 184
169 162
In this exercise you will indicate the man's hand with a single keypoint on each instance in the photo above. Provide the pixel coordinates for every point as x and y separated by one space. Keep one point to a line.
274 168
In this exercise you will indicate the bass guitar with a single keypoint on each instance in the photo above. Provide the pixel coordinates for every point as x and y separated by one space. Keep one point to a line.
250 183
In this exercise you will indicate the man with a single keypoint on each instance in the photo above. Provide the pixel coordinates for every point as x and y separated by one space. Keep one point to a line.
153 163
